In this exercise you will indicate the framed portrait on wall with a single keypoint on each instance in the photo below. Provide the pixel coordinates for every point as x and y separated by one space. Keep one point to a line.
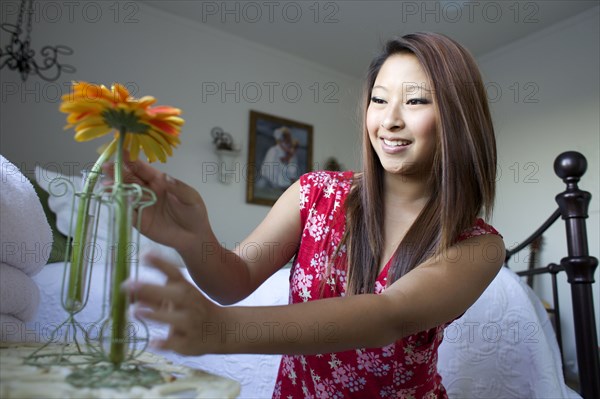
280 151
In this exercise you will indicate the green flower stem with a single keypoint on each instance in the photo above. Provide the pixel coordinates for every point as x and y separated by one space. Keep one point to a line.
82 227
121 268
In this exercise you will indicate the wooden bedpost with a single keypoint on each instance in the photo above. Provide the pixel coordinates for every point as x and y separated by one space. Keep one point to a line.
580 267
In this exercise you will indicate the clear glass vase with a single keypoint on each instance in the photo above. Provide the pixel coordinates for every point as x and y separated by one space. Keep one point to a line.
105 222
83 254
84 250
122 339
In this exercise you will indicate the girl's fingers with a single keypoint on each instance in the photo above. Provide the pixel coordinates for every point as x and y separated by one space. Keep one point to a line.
108 169
156 296
173 343
143 170
178 304
177 339
171 271
140 172
135 171
176 319
182 192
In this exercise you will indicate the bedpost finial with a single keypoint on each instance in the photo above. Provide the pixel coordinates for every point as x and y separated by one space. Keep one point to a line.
570 166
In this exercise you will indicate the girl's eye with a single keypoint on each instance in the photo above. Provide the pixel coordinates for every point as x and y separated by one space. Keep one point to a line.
377 100
416 101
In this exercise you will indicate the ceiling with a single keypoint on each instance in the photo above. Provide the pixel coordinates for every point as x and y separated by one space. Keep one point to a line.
345 35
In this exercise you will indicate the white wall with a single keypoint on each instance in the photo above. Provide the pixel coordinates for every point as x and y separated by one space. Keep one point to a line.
175 59
555 108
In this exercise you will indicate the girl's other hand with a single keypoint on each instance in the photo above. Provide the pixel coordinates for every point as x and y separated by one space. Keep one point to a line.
180 305
178 218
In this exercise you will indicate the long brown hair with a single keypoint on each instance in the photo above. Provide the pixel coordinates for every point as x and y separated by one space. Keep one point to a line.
463 177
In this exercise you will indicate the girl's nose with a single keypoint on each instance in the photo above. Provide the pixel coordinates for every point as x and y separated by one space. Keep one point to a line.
392 119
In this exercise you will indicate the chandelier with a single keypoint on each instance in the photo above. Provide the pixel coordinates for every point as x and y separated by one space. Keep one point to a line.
18 55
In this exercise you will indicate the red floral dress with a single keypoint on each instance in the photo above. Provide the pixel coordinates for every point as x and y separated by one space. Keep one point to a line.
406 368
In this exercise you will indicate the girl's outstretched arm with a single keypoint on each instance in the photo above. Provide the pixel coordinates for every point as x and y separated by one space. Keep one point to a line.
435 292
180 219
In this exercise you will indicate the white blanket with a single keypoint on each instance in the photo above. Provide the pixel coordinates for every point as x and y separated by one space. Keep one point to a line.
19 294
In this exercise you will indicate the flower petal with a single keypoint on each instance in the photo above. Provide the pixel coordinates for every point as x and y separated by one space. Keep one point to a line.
146 101
90 133
90 121
152 149
120 92
159 138
134 147
164 127
164 110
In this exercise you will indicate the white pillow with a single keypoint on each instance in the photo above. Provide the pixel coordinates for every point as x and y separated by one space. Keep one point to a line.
61 202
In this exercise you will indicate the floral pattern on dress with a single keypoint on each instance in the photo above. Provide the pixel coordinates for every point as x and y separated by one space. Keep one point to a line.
479 228
325 388
316 226
288 368
403 369
303 285
371 363
347 377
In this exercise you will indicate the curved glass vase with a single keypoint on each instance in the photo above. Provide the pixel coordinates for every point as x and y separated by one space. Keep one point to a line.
104 234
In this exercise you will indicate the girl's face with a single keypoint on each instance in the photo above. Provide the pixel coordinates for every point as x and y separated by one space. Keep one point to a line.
401 120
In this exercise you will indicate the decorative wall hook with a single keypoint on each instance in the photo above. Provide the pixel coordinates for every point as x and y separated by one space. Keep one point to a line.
227 152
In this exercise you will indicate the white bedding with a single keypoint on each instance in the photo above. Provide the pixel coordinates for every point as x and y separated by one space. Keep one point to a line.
504 346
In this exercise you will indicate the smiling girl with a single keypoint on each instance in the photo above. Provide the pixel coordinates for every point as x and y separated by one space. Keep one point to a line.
384 258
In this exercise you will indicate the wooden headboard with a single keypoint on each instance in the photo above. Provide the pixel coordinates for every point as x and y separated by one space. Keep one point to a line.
573 206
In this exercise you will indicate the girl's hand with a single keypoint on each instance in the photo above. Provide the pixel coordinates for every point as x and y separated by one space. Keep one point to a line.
179 304
178 218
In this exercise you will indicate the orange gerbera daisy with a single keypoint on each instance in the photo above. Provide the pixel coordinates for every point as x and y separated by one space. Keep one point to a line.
94 111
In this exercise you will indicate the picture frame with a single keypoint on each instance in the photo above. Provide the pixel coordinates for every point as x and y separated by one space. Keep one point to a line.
280 151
